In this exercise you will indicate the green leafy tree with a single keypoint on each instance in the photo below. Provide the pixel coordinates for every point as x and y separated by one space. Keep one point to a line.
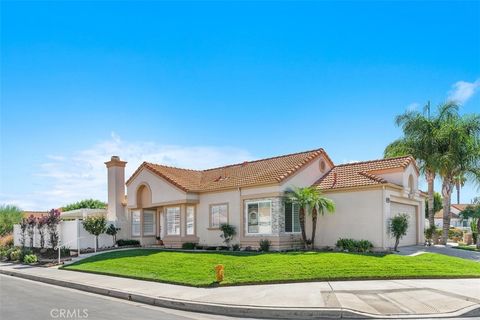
228 232
473 212
459 145
437 204
301 197
85 204
420 140
9 215
112 231
398 227
319 204
95 225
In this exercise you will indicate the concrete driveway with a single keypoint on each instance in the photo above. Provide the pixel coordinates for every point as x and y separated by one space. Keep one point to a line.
447 250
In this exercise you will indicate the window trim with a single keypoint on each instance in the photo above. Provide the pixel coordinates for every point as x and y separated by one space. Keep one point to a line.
210 226
154 213
194 220
247 202
139 223
293 220
179 222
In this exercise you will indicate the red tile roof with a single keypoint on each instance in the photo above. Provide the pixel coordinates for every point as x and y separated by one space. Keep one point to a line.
360 174
249 173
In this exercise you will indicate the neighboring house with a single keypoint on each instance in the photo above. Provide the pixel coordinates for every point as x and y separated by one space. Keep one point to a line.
455 219
182 205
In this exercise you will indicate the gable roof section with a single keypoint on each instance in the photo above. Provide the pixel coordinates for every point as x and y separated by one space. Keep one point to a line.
361 174
249 173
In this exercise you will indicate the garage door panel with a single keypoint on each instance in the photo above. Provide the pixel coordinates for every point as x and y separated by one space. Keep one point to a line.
411 237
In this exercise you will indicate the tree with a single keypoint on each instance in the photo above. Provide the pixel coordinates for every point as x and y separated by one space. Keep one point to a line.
41 224
23 228
112 231
85 204
437 204
95 225
228 232
52 221
459 183
9 215
31 223
398 227
459 149
301 197
473 212
420 135
319 204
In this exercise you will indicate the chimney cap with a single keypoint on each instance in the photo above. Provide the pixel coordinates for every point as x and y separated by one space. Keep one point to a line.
115 162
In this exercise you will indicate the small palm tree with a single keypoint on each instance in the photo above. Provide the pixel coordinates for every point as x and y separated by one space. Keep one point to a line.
459 183
301 197
319 204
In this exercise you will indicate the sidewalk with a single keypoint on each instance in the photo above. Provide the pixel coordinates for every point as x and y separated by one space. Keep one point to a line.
337 299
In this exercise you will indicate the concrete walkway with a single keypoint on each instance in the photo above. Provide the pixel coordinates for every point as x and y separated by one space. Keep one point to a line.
348 299
442 249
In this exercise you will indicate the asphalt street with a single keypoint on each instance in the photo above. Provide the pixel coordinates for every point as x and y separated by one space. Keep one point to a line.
28 300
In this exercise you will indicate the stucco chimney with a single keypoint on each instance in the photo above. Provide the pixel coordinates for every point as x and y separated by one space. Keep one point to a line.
116 191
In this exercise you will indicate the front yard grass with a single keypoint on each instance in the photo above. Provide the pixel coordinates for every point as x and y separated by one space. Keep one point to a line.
196 268
468 248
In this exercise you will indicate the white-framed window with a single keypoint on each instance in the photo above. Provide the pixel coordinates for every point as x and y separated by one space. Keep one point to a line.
190 217
292 217
259 217
218 215
149 222
136 223
173 221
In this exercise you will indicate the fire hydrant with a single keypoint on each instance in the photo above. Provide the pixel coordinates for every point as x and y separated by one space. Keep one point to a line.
219 272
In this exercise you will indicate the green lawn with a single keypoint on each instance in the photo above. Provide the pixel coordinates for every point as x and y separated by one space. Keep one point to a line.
469 248
196 268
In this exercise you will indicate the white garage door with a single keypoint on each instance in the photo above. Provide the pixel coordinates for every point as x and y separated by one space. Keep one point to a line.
411 237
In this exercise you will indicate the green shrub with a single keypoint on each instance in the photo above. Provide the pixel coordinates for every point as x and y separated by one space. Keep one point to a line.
455 233
346 245
364 246
127 242
189 245
236 247
352 245
265 245
14 254
30 258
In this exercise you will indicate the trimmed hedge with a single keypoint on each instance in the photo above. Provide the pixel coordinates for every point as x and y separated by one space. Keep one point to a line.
352 245
127 242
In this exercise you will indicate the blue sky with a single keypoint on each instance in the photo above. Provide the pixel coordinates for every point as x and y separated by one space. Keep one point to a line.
203 84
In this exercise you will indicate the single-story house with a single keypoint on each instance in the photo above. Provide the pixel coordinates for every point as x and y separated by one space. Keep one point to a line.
182 205
455 219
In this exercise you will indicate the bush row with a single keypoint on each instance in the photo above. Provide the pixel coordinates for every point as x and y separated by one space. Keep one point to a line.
352 245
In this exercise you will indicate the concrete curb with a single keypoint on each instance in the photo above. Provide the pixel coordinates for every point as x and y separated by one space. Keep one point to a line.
238 310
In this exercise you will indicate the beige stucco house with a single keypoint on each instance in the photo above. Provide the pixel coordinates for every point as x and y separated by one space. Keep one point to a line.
182 205
455 218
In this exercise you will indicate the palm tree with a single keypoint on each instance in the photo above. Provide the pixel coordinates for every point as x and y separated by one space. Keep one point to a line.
459 146
319 204
459 183
420 141
301 197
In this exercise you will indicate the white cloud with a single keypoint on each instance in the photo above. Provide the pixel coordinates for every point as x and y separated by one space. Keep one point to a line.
462 91
68 178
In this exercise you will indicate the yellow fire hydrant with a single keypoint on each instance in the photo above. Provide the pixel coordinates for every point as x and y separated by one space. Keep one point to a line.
219 272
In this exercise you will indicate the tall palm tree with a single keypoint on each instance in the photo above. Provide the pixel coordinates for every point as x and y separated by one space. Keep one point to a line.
302 198
459 183
420 141
459 146
319 204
